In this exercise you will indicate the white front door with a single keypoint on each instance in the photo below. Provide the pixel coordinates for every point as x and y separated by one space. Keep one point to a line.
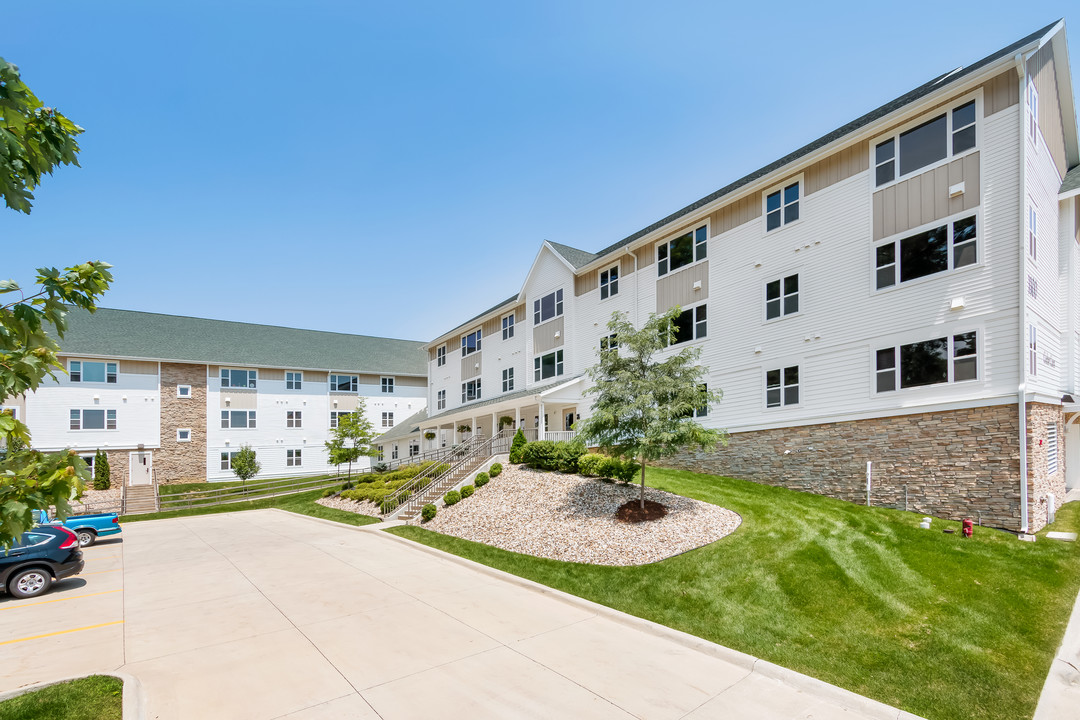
140 467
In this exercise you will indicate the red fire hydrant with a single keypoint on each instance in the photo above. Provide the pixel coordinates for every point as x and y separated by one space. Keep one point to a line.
969 528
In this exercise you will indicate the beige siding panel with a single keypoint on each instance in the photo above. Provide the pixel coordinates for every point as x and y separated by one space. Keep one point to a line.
492 327
471 366
587 282
346 402
411 381
213 371
19 403
544 335
626 266
519 314
839 166
138 367
735 214
925 198
1041 69
239 399
313 376
1001 92
646 255
369 379
678 288
1076 223
271 374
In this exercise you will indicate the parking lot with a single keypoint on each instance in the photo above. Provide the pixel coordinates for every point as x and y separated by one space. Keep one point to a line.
266 614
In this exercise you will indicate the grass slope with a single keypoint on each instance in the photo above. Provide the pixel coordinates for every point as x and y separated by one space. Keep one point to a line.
302 503
97 697
936 624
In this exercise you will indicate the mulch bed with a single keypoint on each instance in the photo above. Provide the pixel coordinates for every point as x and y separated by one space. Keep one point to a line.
632 512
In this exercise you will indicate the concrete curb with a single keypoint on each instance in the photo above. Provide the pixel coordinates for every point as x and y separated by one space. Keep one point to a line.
133 700
804 683
1061 691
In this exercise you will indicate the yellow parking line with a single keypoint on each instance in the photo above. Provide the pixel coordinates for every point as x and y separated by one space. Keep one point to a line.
100 572
61 632
75 597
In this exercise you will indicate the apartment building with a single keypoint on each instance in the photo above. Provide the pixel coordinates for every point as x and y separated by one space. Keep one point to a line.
173 398
900 292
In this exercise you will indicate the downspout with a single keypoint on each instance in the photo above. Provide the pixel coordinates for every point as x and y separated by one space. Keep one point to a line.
637 286
1021 285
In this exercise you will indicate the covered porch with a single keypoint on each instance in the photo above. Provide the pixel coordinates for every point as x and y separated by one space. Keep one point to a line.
543 413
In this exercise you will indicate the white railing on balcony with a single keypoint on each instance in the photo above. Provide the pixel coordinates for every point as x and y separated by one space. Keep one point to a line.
557 435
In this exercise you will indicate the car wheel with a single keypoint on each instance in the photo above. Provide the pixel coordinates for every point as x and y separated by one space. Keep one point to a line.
30 583
86 538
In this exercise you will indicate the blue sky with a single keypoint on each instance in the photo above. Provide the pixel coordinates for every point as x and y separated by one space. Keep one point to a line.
392 168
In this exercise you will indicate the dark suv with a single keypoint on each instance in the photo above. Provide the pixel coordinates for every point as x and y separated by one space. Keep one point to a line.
41 556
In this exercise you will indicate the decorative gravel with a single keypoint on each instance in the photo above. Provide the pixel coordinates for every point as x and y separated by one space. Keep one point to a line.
572 518
98 501
353 506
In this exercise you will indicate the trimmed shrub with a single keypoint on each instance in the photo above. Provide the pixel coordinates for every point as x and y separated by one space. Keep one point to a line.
592 464
568 454
517 447
327 492
495 470
622 469
379 467
482 479
102 473
428 512
452 498
549 455
467 491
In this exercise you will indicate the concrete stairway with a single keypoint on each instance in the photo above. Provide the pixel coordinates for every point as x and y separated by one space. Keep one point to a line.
140 499
441 484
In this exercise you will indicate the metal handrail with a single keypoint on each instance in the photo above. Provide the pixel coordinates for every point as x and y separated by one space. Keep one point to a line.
480 451
394 499
240 494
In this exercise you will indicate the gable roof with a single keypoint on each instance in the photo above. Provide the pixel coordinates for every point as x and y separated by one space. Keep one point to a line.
1071 184
404 429
577 258
152 336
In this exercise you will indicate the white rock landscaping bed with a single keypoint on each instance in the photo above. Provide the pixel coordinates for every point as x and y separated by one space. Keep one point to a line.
360 508
572 518
98 501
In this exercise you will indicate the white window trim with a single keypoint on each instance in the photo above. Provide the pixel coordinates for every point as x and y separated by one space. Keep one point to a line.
780 187
616 267
696 340
508 327
781 366
12 409
765 295
297 419
977 96
230 454
181 394
909 338
440 357
1033 350
355 378
675 236
479 332
464 388
1032 228
951 272
237 387
182 439
106 363
299 379
440 400
1031 113
116 420
508 377
247 427
557 315
540 357
385 382
297 460
387 419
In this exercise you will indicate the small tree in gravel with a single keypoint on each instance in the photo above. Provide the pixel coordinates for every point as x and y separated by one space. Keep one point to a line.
644 407
245 465
102 472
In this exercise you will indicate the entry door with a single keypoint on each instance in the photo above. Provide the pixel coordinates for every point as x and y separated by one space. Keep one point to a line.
141 465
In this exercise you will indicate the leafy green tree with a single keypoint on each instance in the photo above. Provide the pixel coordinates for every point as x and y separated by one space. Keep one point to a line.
644 407
102 471
33 139
352 438
244 464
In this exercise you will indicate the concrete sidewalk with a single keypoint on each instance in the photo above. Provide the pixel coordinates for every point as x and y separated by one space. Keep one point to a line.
1060 697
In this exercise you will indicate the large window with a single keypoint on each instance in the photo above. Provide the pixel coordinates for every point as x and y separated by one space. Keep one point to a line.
548 366
294 418
609 282
471 343
470 390
508 326
782 387
782 297
387 384
294 458
948 134
87 371
93 420
547 307
682 251
508 379
388 419
690 325
782 207
231 378
344 383
294 380
440 400
234 419
950 246
953 358
440 356
227 458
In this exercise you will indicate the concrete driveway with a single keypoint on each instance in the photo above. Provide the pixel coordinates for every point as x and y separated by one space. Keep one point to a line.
267 614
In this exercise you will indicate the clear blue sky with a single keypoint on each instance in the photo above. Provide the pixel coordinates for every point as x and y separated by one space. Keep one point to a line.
392 168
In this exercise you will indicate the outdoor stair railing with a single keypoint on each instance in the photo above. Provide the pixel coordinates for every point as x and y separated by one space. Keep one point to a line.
408 498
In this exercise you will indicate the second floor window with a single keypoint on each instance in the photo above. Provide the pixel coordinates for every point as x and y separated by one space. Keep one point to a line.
508 379
336 415
232 419
231 378
387 385
440 400
388 419
609 282
548 366
87 371
947 247
440 356
681 251
294 418
782 207
294 380
547 307
782 297
508 326
344 383
93 420
471 343
609 342
470 390
690 325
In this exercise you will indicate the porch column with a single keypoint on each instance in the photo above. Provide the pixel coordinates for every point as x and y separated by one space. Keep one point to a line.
542 430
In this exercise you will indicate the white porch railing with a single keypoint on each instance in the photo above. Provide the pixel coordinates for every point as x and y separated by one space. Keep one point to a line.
560 435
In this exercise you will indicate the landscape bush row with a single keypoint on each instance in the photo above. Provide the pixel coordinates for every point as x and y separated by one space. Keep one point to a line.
570 457
455 496
374 487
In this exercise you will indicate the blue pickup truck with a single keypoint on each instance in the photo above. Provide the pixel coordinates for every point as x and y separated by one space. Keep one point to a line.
88 528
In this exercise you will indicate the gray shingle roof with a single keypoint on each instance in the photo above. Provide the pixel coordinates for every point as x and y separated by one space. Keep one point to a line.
577 258
1071 181
132 334
403 429
503 398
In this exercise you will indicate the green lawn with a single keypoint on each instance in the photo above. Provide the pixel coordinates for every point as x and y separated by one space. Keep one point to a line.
939 625
303 503
97 697
200 488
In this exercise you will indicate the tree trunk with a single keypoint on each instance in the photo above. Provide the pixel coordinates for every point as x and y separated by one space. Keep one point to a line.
642 482
349 478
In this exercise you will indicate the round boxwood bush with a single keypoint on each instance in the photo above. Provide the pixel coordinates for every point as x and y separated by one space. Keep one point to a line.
495 470
328 492
467 491
428 512
452 498
481 479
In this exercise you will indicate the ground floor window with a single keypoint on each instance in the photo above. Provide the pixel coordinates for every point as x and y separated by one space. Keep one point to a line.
227 458
293 458
782 387
953 358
